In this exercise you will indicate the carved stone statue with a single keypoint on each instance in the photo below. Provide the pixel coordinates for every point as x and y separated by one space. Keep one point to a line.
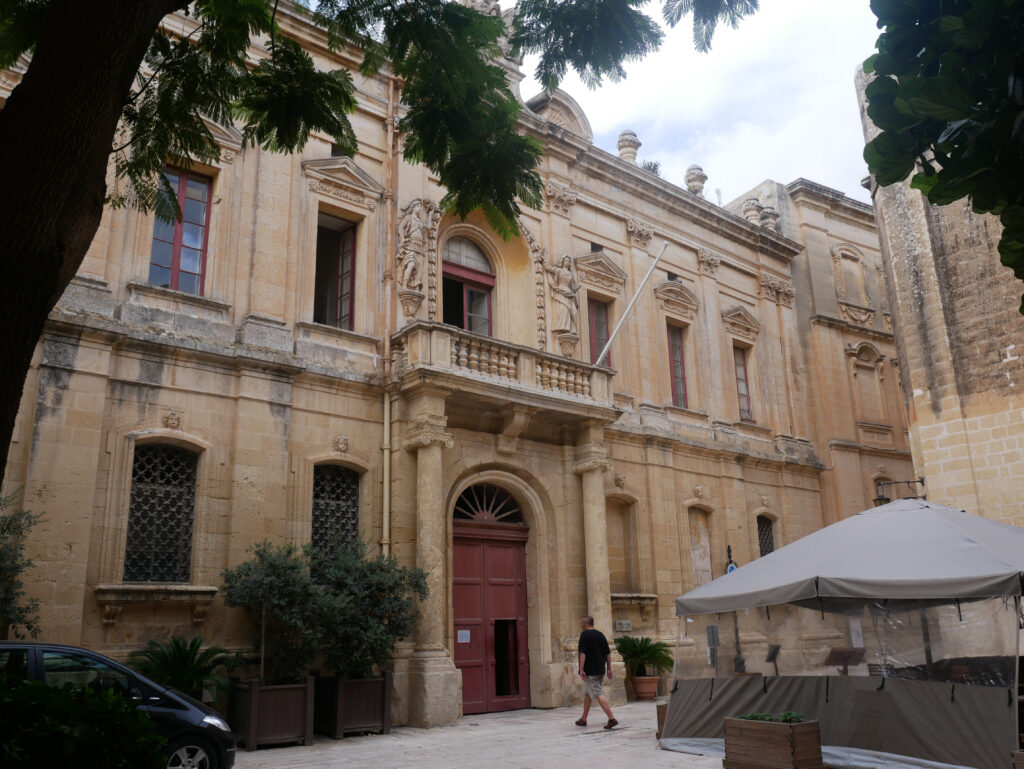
564 287
412 248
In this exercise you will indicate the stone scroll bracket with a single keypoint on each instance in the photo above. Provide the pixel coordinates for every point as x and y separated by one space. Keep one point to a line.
514 421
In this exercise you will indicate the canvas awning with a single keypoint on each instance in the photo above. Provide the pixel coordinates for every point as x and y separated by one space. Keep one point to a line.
907 549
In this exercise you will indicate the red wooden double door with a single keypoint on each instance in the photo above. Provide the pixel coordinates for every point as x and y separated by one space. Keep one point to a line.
489 602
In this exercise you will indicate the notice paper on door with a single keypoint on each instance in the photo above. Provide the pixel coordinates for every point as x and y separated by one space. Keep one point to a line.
463 636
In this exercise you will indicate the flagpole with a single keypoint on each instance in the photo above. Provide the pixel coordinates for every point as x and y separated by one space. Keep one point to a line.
629 307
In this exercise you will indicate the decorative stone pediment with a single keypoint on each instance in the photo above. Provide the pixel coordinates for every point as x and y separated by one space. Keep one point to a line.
342 179
739 321
599 270
562 110
228 138
677 299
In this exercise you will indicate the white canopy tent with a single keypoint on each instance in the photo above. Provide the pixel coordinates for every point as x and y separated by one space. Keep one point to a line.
910 561
908 549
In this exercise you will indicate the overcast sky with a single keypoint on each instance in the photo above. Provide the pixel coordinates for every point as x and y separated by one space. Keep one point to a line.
773 99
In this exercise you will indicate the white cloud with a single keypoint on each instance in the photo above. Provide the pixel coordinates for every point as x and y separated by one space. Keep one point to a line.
773 99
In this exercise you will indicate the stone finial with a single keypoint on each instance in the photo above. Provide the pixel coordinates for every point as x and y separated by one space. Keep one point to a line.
628 146
752 210
770 218
695 179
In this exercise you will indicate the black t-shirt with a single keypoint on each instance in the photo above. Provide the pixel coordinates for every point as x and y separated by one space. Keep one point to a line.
594 646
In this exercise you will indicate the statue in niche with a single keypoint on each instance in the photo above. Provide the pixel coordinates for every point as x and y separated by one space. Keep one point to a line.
564 286
412 249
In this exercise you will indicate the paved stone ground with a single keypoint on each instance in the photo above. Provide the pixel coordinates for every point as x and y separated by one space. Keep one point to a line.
520 739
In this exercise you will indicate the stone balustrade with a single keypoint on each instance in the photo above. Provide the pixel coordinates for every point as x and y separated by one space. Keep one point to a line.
460 353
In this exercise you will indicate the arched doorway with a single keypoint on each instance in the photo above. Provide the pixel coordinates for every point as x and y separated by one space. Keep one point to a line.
489 600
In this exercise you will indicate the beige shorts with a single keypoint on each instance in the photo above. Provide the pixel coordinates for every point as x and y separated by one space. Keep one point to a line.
594 686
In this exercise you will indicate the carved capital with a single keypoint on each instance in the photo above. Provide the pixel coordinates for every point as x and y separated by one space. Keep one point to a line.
639 232
426 431
560 198
423 439
708 262
776 290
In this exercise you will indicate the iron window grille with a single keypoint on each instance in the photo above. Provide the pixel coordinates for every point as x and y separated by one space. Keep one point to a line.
161 510
335 507
765 534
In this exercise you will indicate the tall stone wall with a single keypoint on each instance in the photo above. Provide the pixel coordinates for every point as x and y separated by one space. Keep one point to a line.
961 340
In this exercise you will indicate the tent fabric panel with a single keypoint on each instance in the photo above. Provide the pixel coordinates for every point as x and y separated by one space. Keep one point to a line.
749 597
956 724
981 586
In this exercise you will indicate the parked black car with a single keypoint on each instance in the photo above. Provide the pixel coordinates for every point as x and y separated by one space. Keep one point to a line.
197 738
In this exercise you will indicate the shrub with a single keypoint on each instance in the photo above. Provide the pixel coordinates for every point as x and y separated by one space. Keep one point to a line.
275 587
184 665
789 717
16 613
364 607
46 726
642 653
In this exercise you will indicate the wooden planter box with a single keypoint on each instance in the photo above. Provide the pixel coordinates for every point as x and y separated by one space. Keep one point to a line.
771 745
272 715
346 707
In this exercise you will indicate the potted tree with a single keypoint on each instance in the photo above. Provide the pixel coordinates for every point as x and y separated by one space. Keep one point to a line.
642 655
768 741
274 586
364 607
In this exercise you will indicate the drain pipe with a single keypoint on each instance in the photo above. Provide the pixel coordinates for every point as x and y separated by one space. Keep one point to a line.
389 248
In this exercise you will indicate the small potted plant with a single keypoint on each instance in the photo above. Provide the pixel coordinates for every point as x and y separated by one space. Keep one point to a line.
769 741
644 658
274 586
364 607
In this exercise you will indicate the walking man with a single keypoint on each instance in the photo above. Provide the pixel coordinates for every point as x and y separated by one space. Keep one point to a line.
595 659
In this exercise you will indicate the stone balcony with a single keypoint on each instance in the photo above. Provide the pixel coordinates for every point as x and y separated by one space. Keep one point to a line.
490 375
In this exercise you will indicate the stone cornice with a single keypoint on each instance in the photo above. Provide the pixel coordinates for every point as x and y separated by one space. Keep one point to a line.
678 204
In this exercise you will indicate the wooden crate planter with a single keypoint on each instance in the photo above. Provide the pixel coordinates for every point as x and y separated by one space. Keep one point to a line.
771 745
272 715
353 706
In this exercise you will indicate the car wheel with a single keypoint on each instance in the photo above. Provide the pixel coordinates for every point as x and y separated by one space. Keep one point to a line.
190 753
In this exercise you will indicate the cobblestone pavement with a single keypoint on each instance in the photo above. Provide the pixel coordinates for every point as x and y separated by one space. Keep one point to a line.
520 739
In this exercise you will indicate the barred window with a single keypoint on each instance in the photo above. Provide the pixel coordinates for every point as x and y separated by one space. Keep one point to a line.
160 515
765 534
335 506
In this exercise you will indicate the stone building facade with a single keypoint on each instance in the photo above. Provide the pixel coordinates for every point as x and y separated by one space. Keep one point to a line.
961 337
317 347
